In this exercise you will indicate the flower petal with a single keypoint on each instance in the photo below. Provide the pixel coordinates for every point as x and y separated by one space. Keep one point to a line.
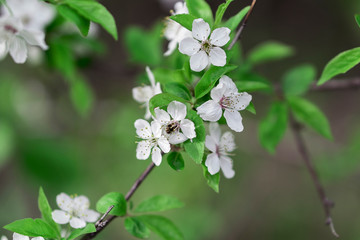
142 94
220 36
210 111
150 76
17 236
188 128
226 165
35 38
241 100
18 49
177 138
227 142
38 238
143 150
60 217
3 238
161 116
189 46
215 132
217 93
156 156
3 53
234 120
164 144
171 47
177 110
217 57
180 8
229 84
156 129
211 144
81 203
199 61
65 202
212 163
143 129
90 215
200 29
77 223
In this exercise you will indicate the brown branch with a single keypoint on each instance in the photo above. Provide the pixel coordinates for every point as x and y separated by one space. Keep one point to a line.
243 25
338 84
326 203
102 224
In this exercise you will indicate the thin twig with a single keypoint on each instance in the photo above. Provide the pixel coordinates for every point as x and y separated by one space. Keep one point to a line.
326 203
338 84
104 216
132 190
243 25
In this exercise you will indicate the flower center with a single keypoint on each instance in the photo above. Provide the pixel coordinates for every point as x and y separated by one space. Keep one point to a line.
225 102
10 29
206 46
172 127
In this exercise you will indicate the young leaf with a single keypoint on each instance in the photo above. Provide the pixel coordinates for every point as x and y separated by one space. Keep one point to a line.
162 227
81 95
342 63
32 228
195 148
269 51
95 12
90 228
250 82
185 20
176 161
357 19
212 180
209 79
200 9
220 12
165 76
272 128
234 21
251 108
177 89
113 198
310 115
158 203
298 80
62 58
136 227
46 211
71 15
162 100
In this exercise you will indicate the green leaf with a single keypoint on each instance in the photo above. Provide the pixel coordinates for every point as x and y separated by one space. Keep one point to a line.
251 108
195 148
177 89
165 76
212 180
272 128
185 20
252 86
342 63
32 228
71 15
46 211
310 115
162 227
162 100
269 51
357 19
136 227
200 9
158 203
234 21
298 80
82 96
209 79
113 198
220 12
176 161
90 228
95 12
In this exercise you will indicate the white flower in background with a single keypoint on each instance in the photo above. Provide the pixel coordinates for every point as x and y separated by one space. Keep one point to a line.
74 211
17 236
172 125
174 32
153 139
220 146
225 96
145 93
17 40
3 238
204 51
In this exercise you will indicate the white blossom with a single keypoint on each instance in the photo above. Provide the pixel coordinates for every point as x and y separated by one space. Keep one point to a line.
202 49
17 236
18 40
153 139
220 147
3 238
74 210
173 121
225 96
145 93
174 32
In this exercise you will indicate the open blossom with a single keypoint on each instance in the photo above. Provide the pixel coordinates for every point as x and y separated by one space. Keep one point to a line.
153 139
17 236
74 211
225 96
174 32
3 238
173 121
17 40
145 93
204 50
220 146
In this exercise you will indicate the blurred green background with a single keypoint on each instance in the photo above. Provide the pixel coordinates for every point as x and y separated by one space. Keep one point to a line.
45 142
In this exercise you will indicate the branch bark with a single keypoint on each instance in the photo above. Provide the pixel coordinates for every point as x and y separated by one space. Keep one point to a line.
104 223
326 203
338 84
